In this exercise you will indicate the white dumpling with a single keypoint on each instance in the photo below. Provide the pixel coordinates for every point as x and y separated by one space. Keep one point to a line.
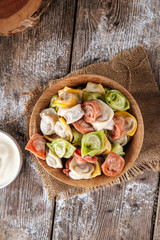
71 114
48 111
63 130
82 171
49 118
105 121
94 87
53 160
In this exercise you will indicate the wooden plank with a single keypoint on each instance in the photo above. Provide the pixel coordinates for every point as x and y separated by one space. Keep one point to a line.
28 60
104 28
87 214
156 235
138 206
119 212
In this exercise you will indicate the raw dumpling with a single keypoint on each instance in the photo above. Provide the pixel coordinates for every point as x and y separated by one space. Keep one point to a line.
68 97
61 148
87 96
117 148
97 170
37 146
106 120
130 122
83 127
48 121
63 130
94 87
92 110
51 138
118 130
80 160
53 160
130 126
82 171
53 99
117 100
92 143
77 92
77 137
122 141
71 114
107 146
113 165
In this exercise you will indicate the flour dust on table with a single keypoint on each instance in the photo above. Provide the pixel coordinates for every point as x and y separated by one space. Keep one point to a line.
131 31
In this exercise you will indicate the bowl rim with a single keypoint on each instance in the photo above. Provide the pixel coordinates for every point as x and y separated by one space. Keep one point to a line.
107 81
20 159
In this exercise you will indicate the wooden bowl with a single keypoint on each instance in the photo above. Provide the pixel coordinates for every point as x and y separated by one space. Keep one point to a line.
133 148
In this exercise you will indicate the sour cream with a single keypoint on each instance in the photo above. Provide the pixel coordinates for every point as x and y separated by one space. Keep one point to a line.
10 159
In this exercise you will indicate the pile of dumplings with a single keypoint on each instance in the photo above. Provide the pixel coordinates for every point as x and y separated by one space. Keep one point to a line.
84 131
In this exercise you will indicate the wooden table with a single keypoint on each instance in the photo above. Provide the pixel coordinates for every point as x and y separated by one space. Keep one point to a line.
70 35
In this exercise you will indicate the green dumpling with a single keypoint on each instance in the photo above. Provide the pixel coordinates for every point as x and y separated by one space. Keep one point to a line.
117 148
117 100
62 148
87 96
92 143
77 137
52 102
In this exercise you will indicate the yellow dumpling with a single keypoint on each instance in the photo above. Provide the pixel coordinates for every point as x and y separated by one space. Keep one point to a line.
68 97
107 146
130 122
97 170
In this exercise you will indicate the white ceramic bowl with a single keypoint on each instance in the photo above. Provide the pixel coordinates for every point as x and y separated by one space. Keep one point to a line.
16 148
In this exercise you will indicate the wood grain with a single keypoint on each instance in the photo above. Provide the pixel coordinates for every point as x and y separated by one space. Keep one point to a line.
137 23
156 234
10 7
28 60
137 209
133 149
88 215
14 13
113 213
104 28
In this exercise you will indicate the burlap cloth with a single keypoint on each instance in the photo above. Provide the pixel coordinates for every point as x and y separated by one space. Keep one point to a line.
132 70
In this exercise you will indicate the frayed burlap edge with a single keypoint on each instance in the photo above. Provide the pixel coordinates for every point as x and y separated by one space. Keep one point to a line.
135 170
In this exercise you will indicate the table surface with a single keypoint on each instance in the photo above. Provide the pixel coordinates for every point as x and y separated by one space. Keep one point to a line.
73 34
